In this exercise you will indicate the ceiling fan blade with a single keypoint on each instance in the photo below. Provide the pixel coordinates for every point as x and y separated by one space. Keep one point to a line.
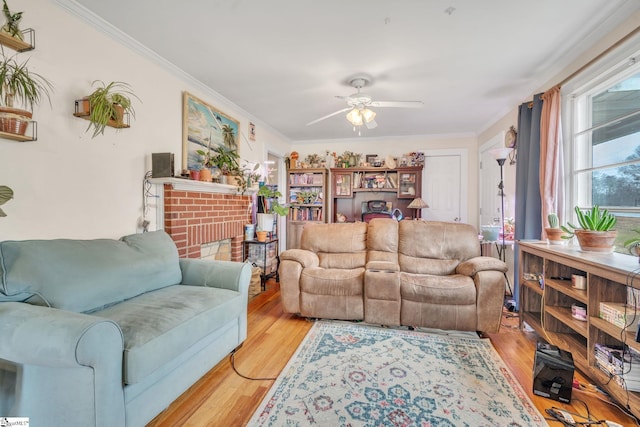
329 115
371 124
398 104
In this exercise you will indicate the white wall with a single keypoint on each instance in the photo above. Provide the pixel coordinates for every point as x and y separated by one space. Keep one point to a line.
69 185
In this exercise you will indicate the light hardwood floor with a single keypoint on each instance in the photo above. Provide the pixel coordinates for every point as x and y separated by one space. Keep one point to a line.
223 398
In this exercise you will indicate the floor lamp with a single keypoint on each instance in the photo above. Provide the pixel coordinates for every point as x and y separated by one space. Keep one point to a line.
501 155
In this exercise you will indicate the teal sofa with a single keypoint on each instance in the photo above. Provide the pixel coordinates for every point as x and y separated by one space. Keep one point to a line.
109 332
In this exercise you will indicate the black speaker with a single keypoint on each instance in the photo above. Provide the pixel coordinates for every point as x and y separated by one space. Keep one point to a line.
553 372
161 165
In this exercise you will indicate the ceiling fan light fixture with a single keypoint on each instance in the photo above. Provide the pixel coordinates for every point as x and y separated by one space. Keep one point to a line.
354 117
368 115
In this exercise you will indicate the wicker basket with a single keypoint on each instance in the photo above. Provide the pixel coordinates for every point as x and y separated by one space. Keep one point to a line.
13 120
255 285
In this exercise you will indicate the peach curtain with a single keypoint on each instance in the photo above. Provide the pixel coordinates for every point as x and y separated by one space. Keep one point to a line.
551 161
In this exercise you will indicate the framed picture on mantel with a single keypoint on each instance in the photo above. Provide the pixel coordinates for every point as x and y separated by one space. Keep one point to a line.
204 126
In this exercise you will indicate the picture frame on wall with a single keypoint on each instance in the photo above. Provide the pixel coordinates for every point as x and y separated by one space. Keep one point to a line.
204 127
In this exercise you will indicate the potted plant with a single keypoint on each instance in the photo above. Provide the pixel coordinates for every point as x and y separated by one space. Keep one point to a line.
554 232
6 194
268 207
108 104
19 86
634 244
12 24
226 160
596 233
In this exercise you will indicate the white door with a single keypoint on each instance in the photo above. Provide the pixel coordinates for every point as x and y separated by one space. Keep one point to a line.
444 173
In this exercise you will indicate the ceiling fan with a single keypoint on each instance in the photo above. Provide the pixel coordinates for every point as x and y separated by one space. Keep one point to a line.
359 103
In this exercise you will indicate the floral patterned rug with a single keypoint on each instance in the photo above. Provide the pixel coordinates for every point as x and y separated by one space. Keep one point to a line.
348 374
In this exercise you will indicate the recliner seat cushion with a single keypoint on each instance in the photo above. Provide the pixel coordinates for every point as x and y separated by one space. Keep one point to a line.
447 290
329 281
159 325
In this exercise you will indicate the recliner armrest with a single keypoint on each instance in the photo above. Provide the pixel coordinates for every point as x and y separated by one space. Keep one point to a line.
482 263
305 258
383 266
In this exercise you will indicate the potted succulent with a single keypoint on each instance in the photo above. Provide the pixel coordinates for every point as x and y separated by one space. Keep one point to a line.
596 232
108 104
269 207
634 244
6 194
554 232
19 86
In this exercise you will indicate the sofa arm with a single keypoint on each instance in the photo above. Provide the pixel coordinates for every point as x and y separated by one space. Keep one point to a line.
384 266
231 275
305 258
472 266
54 350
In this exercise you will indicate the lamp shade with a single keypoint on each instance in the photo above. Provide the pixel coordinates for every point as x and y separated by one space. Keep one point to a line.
355 117
500 153
418 203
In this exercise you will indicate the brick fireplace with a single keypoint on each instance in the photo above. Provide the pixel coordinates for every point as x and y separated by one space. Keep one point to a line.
198 214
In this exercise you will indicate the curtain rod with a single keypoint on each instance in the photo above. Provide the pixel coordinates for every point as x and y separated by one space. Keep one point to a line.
595 59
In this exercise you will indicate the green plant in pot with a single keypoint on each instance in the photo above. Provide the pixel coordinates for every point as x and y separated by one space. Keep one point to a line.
596 232
108 105
6 194
554 232
12 22
19 86
268 207
634 244
226 160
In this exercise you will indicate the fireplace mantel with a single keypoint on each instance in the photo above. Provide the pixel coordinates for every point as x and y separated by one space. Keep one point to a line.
199 186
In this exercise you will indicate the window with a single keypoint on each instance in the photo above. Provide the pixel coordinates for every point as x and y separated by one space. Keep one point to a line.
605 146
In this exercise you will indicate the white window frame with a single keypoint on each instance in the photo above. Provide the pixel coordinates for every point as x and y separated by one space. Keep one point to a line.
576 104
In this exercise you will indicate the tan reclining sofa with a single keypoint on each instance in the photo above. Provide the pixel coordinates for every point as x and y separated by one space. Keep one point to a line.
412 273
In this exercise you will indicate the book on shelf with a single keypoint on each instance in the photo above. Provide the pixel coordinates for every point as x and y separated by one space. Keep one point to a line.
619 314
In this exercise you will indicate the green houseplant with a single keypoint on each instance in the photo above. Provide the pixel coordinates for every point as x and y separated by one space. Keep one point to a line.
108 104
20 86
634 244
12 23
595 232
554 232
6 194
268 207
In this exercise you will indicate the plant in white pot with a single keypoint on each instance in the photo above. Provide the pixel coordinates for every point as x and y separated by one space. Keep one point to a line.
268 207
633 244
596 232
19 86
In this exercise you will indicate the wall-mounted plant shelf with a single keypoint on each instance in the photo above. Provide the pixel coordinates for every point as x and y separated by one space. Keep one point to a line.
28 41
82 111
33 136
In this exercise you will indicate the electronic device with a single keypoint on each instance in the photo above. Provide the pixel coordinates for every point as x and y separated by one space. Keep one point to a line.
161 165
553 372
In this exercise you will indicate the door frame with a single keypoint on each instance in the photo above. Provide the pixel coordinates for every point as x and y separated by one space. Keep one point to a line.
496 142
464 176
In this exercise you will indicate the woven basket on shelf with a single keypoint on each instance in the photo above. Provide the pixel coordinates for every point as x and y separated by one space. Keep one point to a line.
13 120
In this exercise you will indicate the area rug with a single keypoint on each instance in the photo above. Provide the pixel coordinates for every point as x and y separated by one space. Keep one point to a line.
348 374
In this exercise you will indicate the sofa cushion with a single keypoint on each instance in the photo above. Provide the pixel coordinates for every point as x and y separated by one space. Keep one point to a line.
85 275
160 325
329 281
449 290
337 245
434 247
382 240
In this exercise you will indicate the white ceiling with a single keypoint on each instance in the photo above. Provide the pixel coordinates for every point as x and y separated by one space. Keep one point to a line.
284 61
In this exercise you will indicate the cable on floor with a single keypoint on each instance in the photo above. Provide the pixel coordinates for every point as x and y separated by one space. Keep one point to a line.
232 360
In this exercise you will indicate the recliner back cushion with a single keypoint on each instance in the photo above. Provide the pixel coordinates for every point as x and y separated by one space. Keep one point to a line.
382 240
85 275
337 245
434 247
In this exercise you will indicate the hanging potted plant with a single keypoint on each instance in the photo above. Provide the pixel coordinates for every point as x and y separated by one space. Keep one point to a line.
596 233
107 105
19 86
554 232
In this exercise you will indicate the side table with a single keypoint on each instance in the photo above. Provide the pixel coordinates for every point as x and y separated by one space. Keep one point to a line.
263 255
